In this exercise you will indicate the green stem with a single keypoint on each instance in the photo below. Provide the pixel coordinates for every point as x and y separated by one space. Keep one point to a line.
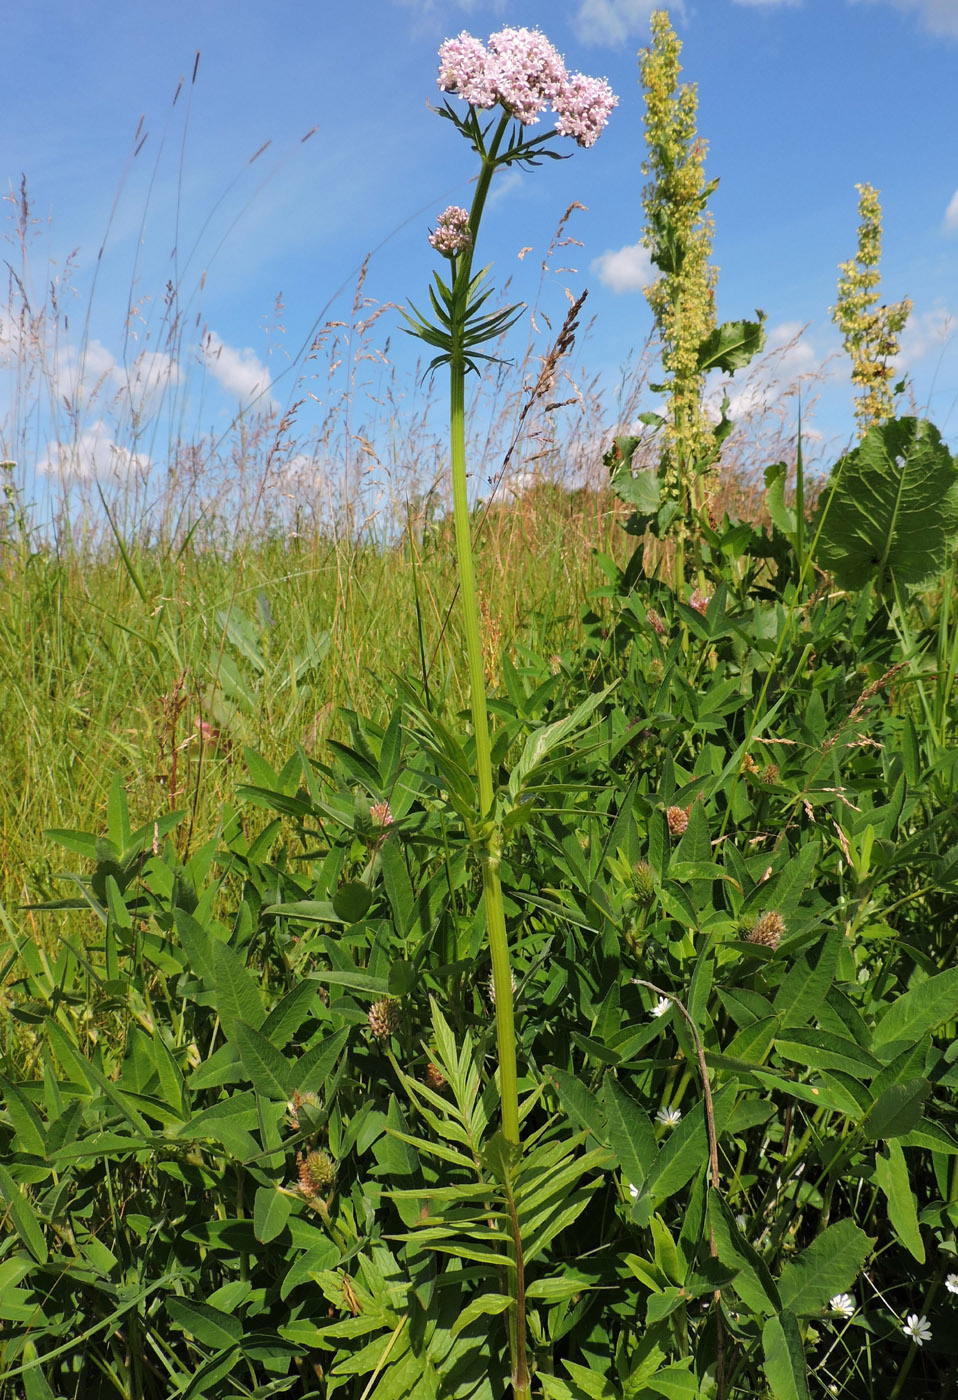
488 835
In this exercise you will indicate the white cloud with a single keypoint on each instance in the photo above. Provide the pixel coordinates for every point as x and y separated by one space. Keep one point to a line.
92 454
927 333
938 16
238 371
951 215
627 269
504 186
614 21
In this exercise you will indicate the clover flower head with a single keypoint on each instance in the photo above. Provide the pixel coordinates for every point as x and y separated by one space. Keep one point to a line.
317 1173
951 1283
700 601
467 69
653 619
916 1329
583 107
768 930
669 1117
385 1018
842 1303
660 1007
529 72
678 820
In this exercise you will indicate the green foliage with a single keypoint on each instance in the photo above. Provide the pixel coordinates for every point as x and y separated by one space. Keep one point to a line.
890 511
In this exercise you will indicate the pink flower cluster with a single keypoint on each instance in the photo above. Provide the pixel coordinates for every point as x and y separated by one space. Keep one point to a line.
452 231
521 70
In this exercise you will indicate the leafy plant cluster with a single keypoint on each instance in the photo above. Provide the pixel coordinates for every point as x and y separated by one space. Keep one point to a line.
250 1140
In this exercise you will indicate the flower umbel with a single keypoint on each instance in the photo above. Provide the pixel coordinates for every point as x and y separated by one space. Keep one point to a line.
916 1329
452 231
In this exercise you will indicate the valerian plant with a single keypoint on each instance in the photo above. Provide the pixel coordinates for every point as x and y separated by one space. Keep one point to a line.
515 78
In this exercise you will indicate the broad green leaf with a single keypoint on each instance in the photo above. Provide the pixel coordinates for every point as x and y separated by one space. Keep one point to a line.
271 1209
630 1133
314 1069
271 1073
806 984
782 516
27 1124
675 1383
209 1326
590 1383
732 345
288 1015
352 900
922 1008
891 1173
897 1111
890 506
828 1266
486 1304
23 1215
785 1368
818 1049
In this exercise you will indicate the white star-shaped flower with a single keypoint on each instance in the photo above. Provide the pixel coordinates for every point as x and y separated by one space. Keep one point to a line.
916 1328
842 1303
951 1283
660 1007
668 1117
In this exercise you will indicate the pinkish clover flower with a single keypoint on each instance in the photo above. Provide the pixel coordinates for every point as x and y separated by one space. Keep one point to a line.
467 69
583 107
452 231
529 72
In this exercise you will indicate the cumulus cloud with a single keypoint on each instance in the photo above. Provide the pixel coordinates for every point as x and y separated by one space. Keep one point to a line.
925 334
951 215
92 454
627 269
614 21
239 372
937 16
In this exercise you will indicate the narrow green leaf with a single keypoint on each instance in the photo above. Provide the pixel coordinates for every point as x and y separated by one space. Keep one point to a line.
897 1111
238 998
208 1325
271 1073
23 1215
487 1304
891 1173
785 1368
630 1133
753 1282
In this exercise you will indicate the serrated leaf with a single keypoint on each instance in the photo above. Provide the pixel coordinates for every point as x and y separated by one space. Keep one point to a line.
732 345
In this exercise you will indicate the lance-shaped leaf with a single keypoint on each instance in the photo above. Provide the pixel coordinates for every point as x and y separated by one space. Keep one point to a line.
891 507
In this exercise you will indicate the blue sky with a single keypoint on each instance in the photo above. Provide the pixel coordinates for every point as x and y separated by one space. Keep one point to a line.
798 99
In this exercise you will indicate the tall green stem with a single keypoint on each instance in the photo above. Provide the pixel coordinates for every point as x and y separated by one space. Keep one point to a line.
488 835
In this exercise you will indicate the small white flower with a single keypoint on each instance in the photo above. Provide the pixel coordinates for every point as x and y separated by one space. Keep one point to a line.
741 1221
951 1283
633 1191
660 1007
842 1303
668 1117
916 1328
